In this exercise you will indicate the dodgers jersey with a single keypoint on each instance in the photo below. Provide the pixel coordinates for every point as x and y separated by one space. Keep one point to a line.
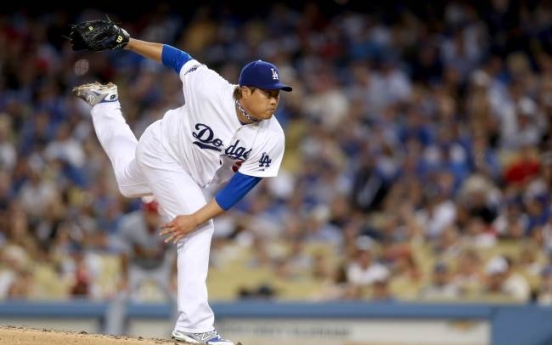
207 138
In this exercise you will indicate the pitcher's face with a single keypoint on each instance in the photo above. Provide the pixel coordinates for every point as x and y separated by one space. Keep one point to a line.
259 103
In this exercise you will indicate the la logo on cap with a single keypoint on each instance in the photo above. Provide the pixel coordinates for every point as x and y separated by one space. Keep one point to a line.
262 75
274 74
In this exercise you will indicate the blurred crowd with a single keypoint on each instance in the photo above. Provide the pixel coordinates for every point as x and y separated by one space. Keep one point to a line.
418 148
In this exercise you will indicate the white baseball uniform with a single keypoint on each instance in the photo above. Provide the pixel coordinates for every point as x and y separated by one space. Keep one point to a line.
190 148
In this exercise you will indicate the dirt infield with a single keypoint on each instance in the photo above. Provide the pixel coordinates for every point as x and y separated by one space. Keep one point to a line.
12 335
28 336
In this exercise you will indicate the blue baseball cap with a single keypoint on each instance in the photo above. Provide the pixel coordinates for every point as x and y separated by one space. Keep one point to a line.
263 75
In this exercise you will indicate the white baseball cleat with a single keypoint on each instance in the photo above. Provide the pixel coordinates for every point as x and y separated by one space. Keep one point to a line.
95 93
208 338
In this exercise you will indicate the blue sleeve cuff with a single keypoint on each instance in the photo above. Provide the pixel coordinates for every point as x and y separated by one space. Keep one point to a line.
238 186
174 58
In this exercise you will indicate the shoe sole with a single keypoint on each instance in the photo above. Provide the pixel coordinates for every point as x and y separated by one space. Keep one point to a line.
196 343
81 91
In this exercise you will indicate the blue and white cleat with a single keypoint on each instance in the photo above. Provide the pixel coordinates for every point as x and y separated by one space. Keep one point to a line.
95 93
208 338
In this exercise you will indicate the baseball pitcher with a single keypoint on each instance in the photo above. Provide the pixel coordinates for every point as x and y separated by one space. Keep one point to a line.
224 134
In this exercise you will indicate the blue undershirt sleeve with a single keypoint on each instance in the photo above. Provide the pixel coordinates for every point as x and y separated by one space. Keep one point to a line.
238 186
174 58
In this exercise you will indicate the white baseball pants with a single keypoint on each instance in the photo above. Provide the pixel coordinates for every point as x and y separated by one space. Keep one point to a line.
143 167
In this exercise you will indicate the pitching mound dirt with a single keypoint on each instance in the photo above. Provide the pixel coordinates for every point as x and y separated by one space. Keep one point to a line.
28 336
11 335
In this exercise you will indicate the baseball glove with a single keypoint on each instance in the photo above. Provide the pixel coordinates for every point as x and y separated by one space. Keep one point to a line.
97 36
